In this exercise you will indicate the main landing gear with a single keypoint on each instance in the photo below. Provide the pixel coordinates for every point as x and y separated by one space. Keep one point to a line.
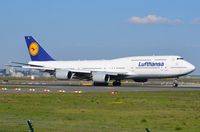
100 84
175 83
117 83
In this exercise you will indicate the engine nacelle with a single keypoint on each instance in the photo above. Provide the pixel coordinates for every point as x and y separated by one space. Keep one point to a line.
63 74
141 80
100 77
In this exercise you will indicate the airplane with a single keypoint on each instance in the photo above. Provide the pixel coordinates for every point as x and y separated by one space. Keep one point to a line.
137 68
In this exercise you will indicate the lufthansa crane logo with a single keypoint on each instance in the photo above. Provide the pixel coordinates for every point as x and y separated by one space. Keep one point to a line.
34 49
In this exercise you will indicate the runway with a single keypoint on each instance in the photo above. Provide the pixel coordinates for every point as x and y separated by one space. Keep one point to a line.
82 89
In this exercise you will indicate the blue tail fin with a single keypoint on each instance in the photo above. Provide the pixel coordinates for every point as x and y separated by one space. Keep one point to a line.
37 53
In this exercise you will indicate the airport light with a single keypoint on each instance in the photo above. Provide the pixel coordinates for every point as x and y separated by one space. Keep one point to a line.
78 91
46 90
61 91
32 90
114 92
4 89
18 89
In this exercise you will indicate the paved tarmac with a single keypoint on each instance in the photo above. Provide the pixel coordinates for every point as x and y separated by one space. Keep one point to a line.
81 89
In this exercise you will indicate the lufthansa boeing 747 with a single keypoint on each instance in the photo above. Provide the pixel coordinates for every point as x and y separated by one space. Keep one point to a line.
137 68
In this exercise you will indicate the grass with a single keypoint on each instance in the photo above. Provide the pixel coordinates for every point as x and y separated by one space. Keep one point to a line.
168 111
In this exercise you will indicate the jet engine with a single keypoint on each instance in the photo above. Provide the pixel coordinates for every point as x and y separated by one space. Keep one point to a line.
63 74
99 77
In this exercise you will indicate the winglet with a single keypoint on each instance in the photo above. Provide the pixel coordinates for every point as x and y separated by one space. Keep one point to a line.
37 53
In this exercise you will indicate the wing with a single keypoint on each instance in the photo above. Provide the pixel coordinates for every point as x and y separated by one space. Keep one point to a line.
77 74
30 66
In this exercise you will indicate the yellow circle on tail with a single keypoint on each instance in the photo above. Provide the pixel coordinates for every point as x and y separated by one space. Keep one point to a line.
34 48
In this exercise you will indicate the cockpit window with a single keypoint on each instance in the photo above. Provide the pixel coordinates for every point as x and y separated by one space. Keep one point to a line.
179 58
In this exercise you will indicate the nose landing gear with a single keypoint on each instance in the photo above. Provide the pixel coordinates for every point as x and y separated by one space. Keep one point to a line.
175 83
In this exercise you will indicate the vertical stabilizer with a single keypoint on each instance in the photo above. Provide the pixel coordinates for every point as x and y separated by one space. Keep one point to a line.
37 53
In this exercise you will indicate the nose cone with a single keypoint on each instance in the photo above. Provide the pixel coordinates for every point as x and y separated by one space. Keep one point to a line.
190 68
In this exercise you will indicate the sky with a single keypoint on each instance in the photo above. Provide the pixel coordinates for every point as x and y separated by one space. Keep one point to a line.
101 29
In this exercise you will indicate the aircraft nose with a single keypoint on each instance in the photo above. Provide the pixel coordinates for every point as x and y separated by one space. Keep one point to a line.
191 67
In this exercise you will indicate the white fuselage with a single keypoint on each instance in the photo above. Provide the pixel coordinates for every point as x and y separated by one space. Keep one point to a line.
132 67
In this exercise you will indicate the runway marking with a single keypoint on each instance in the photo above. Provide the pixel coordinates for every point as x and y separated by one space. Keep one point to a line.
87 84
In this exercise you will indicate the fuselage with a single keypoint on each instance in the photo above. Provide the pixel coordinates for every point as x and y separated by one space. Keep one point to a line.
132 67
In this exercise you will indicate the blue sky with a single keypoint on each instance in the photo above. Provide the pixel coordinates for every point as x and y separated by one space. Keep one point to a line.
103 29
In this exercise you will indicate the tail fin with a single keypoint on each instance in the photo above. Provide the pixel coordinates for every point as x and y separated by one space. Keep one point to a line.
37 53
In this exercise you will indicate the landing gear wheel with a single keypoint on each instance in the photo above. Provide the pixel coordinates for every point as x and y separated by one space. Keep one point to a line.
116 83
175 84
100 84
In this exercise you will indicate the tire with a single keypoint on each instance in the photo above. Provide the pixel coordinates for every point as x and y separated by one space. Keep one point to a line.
116 83
100 84
175 84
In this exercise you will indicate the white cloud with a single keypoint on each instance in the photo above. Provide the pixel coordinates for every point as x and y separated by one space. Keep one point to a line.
154 19
196 21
